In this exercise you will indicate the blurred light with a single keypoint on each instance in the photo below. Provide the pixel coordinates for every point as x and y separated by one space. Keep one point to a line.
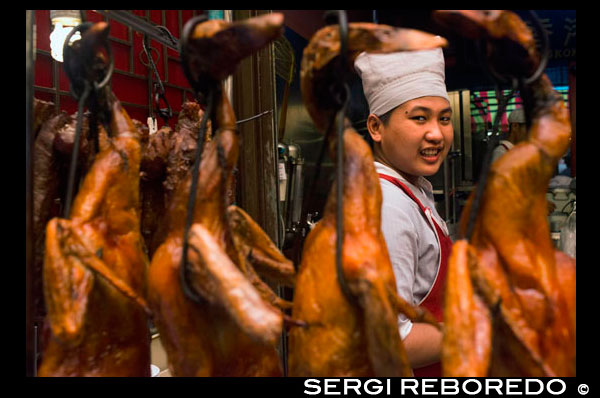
64 21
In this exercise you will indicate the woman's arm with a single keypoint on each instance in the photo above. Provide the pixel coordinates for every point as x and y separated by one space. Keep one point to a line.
423 345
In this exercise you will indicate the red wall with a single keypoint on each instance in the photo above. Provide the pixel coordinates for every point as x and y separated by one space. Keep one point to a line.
130 78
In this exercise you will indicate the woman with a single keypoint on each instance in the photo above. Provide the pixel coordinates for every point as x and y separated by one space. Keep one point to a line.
411 129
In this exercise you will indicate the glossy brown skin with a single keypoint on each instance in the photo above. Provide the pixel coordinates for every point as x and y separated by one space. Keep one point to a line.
51 158
167 157
344 338
205 339
358 335
180 156
217 46
512 281
233 329
152 192
94 269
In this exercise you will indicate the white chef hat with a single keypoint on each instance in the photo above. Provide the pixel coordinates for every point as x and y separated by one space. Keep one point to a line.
389 80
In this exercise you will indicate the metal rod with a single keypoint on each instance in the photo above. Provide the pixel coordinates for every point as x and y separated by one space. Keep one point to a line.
30 349
185 286
127 18
453 187
446 191
343 26
75 154
253 117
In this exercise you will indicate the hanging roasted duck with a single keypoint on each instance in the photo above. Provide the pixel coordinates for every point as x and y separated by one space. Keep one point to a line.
350 330
510 299
155 149
216 317
167 156
95 266
52 152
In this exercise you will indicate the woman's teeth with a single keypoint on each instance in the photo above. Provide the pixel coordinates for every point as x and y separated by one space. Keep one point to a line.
430 152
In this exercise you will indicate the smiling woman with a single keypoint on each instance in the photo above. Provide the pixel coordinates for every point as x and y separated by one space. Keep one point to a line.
413 138
411 129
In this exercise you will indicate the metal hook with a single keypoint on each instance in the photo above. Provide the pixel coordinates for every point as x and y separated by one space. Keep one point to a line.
67 53
341 114
75 153
520 83
164 113
199 87
81 88
183 268
544 56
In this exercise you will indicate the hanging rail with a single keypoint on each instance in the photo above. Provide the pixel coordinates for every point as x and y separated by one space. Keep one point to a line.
156 32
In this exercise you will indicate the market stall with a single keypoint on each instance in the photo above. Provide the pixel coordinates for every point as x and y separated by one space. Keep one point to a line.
209 180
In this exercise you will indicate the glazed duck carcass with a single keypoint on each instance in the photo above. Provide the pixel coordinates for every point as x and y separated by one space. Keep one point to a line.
356 335
155 149
94 264
167 156
94 269
215 316
52 155
510 301
167 160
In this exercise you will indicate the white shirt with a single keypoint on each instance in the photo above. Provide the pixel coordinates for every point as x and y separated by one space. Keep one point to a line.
503 147
411 240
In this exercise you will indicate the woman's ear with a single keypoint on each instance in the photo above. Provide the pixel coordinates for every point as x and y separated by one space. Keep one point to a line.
375 127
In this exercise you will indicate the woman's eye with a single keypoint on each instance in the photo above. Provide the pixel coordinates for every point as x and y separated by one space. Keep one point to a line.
419 118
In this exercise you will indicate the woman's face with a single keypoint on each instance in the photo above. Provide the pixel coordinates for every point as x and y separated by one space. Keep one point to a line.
417 137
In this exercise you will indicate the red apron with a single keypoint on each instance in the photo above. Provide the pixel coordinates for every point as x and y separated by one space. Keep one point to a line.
434 299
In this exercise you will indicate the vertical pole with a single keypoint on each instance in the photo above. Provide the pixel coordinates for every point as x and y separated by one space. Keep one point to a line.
572 111
30 358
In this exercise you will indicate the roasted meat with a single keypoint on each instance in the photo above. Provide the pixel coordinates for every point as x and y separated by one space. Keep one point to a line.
42 111
155 151
215 315
353 332
95 269
510 302
51 157
182 145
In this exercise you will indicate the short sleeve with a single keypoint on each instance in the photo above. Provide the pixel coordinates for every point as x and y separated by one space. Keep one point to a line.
401 239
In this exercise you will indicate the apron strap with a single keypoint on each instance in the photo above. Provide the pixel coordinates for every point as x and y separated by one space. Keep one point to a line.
433 301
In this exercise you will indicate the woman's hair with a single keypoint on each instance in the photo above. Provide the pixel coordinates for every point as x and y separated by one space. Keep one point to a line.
385 118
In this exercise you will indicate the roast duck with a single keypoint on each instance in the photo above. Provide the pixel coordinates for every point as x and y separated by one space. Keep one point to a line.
52 150
167 156
94 263
350 331
215 315
510 298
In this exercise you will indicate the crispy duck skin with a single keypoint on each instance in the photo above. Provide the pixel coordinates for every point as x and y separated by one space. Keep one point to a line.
51 157
354 336
231 328
155 150
203 339
512 281
167 157
180 157
94 269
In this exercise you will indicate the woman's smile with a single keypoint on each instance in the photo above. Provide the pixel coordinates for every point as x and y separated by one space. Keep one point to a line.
431 154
